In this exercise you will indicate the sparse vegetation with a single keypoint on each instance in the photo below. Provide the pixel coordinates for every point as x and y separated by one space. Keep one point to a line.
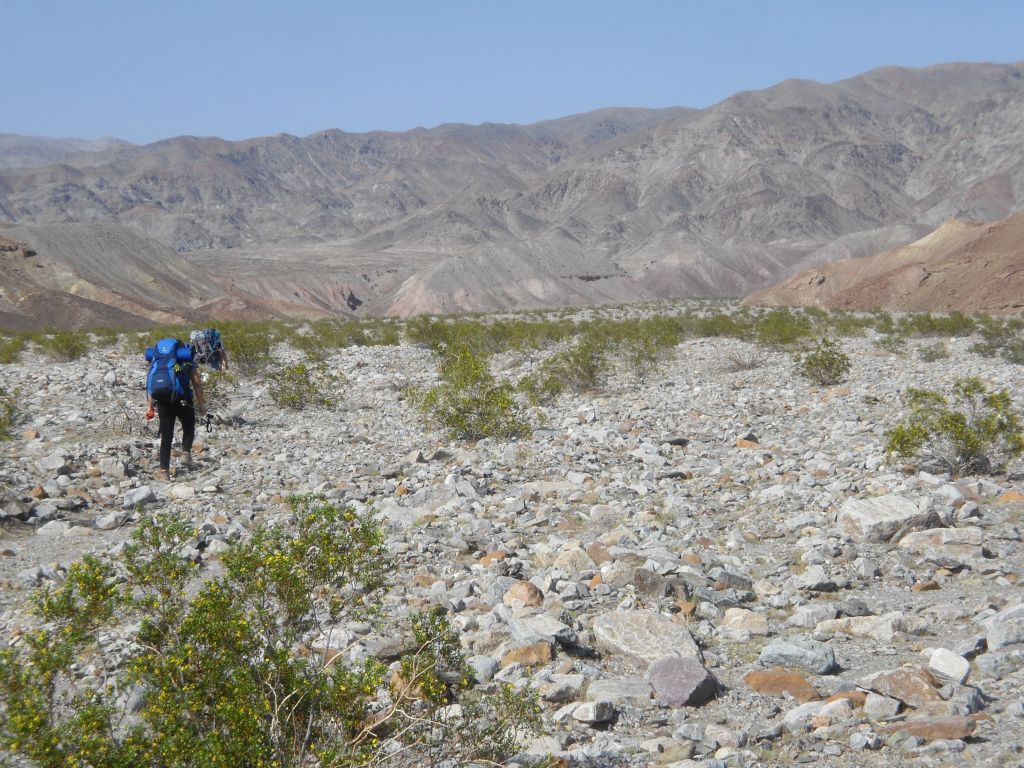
64 346
973 431
933 352
221 672
11 348
8 413
302 386
470 403
826 364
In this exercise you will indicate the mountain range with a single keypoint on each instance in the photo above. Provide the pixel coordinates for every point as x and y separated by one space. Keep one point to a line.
609 206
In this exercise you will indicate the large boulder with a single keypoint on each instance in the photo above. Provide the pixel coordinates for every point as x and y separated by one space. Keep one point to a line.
643 636
880 518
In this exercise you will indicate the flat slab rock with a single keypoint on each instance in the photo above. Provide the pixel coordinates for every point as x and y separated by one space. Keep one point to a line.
643 636
681 682
880 518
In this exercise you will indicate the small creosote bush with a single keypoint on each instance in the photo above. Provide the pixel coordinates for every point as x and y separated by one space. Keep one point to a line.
303 385
972 431
241 668
8 413
933 352
826 364
65 346
470 403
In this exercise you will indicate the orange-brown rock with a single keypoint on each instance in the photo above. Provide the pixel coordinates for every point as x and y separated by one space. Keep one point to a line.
401 490
933 728
598 552
30 434
911 685
856 698
925 586
526 592
742 442
686 608
779 681
529 655
492 557
37 492
1014 497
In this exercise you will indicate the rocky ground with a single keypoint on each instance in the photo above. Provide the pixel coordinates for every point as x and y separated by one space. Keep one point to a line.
711 567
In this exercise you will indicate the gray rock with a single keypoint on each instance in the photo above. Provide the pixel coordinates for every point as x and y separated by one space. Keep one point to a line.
139 497
878 707
643 636
1005 628
484 668
879 519
112 520
999 664
560 689
804 653
593 712
681 682
632 691
949 666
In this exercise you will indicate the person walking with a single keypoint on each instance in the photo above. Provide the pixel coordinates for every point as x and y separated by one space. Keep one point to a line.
174 387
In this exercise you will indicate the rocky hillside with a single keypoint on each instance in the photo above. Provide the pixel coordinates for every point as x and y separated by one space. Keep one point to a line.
609 206
965 266
707 567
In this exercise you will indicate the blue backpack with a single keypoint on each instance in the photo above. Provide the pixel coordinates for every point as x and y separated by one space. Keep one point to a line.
170 371
207 345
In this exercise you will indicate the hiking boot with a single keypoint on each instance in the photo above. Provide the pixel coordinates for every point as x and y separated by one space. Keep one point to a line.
162 476
186 461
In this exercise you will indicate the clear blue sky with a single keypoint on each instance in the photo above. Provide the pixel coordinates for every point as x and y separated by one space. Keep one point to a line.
143 70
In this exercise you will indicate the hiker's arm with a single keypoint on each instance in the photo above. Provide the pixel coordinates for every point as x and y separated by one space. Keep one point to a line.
224 357
197 387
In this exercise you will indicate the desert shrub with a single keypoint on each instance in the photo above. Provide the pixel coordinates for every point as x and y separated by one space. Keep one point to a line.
302 386
234 670
248 346
580 368
926 324
848 324
826 364
746 359
470 403
781 327
217 388
972 431
11 348
894 342
64 345
105 337
933 352
8 413
1004 337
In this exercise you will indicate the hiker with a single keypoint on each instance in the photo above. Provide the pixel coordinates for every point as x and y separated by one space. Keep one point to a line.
208 348
173 385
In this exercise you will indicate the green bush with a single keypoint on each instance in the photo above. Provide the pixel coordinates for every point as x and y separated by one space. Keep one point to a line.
11 348
248 346
933 352
226 671
780 327
973 431
580 368
302 386
925 324
64 346
894 342
8 413
469 403
826 364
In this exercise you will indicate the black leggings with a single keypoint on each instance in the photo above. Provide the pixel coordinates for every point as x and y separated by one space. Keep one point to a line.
168 412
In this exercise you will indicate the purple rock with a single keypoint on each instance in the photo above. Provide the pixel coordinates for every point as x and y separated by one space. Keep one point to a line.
681 681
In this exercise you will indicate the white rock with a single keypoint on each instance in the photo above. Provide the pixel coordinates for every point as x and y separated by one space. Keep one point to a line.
880 518
949 666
